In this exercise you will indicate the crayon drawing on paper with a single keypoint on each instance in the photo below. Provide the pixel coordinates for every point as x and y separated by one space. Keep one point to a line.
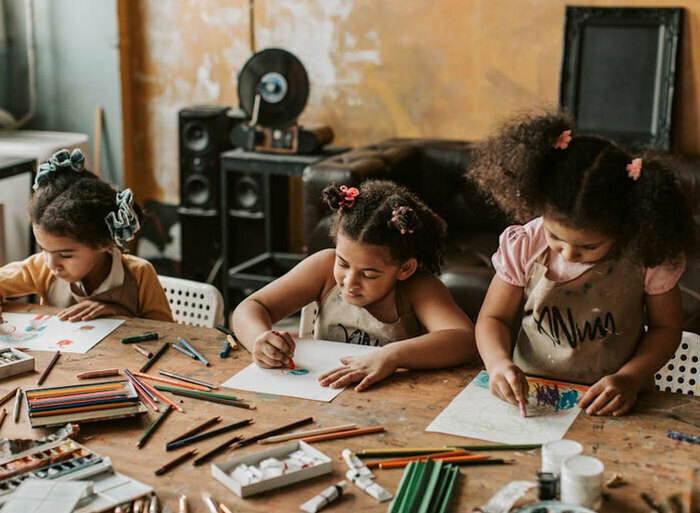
312 358
476 413
48 333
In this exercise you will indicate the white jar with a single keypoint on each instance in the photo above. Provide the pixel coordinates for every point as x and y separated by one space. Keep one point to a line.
555 452
582 481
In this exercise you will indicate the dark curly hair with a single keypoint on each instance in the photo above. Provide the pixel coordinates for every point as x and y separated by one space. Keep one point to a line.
585 185
386 214
74 204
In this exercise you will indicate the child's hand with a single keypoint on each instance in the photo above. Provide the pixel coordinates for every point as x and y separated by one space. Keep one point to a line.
610 395
86 310
273 349
366 369
508 382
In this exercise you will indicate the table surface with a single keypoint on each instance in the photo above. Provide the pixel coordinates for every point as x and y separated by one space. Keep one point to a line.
634 446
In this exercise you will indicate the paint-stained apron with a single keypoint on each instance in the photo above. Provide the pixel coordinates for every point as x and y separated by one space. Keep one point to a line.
125 295
582 329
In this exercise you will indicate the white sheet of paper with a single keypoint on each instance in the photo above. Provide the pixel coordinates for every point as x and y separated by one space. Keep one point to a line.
47 333
476 413
311 359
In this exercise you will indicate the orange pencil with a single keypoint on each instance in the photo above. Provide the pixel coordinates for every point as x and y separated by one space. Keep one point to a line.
171 381
419 457
162 397
343 434
144 396
471 457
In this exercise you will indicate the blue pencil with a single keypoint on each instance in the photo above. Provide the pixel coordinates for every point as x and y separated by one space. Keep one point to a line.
685 437
193 350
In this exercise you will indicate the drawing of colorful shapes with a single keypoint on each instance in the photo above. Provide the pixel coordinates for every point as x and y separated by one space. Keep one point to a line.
86 327
64 343
294 372
482 380
19 337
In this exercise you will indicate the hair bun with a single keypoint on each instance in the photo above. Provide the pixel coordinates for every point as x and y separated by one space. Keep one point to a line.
405 219
333 197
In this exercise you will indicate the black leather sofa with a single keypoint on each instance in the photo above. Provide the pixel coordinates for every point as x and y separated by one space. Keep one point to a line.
434 169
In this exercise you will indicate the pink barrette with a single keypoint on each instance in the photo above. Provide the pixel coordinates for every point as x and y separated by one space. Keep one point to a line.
395 220
563 140
349 195
634 169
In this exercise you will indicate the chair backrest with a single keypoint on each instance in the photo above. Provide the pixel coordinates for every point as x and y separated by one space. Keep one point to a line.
192 302
681 374
306 322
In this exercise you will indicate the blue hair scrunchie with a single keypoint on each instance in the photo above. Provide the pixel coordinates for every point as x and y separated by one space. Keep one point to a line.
60 159
123 224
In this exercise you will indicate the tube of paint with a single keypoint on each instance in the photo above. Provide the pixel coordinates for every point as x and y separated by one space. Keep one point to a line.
368 486
357 464
314 504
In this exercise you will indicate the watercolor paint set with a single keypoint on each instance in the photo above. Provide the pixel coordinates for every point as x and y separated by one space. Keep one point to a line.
13 362
82 403
272 468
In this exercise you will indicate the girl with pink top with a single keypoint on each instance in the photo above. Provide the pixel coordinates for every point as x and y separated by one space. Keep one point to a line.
597 259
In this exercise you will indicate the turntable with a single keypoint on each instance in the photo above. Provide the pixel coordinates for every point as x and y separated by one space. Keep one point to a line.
273 88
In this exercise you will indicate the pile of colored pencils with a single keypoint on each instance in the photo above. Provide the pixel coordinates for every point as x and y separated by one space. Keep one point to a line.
426 487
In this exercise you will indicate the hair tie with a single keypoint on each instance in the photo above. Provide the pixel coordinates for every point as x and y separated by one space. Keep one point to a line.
634 169
123 224
62 159
563 140
402 218
347 196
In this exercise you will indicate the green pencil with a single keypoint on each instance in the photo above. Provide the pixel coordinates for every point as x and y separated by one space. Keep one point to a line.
499 447
151 335
206 396
152 428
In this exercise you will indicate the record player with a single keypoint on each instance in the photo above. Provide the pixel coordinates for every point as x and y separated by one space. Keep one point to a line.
272 91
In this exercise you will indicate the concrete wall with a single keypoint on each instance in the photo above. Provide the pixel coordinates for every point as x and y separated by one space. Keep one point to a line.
378 68
77 53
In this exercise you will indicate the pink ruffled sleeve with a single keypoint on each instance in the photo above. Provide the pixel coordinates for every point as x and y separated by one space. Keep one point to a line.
519 246
664 277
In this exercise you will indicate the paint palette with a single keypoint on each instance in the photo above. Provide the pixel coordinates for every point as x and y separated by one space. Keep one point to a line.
14 362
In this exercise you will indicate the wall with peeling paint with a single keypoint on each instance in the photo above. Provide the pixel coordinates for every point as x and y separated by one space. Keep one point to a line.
419 68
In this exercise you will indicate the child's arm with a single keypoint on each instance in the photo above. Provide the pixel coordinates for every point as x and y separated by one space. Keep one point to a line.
23 278
493 339
616 394
449 341
253 318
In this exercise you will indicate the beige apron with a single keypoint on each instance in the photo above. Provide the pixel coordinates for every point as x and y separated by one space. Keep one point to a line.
582 329
339 321
125 295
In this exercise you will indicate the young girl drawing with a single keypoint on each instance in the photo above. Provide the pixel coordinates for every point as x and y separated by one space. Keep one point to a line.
79 223
377 287
598 259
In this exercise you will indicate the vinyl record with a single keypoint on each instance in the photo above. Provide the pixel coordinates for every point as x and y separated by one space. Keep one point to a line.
281 80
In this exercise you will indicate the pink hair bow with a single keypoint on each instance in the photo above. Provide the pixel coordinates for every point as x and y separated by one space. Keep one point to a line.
563 140
634 169
349 195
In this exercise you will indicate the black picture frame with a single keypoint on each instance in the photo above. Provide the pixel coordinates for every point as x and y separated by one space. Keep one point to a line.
619 72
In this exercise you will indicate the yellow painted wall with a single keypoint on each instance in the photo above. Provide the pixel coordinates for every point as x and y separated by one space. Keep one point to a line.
378 68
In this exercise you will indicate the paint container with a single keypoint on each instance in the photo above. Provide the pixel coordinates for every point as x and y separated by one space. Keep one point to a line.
582 481
324 498
547 486
555 452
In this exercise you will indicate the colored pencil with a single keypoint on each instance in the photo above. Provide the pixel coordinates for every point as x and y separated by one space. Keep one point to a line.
184 351
138 383
187 379
226 347
7 396
472 459
272 432
48 368
198 428
171 382
163 397
79 409
155 357
18 404
685 437
144 396
435 456
401 452
51 392
344 434
184 508
152 428
3 414
174 463
400 463
207 396
216 450
142 350
499 447
233 340
224 508
98 374
140 338
311 432
192 350
207 434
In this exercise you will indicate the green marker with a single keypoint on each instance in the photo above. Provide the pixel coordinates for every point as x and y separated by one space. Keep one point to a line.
151 335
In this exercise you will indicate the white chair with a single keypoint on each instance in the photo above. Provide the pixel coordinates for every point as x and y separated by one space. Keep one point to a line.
306 322
681 374
192 302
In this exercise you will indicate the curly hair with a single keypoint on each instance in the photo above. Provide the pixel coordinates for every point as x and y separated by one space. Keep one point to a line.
585 184
386 214
74 204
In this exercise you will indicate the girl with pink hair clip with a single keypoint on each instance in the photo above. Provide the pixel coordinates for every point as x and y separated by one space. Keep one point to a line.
593 270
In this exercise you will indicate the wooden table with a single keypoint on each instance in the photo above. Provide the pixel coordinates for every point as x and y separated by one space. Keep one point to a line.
634 446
